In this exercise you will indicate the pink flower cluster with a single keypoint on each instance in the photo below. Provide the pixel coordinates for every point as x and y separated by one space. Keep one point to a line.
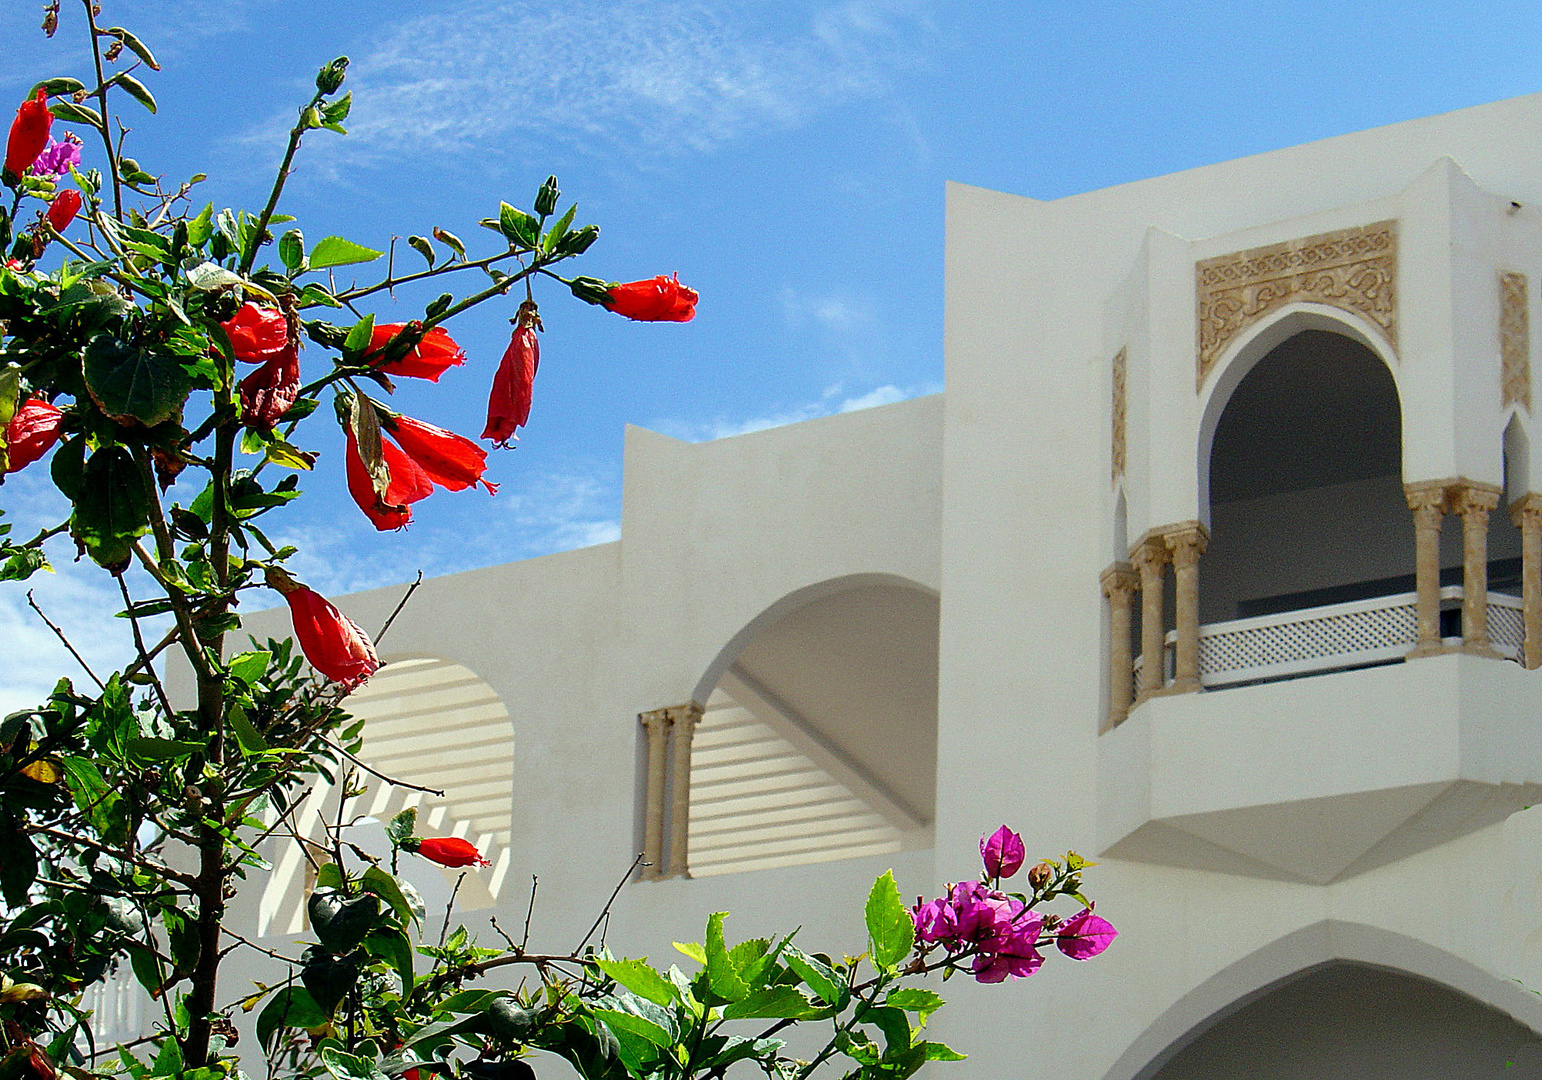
1002 932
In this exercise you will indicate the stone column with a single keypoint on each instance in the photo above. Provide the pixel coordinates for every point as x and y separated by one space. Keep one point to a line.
1185 545
1119 584
1427 500
1474 502
1526 512
683 721
656 723
1150 559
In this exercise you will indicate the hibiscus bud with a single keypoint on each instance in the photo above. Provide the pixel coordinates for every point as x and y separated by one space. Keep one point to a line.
63 208
577 242
1041 875
546 198
590 290
331 641
330 77
657 299
448 851
29 133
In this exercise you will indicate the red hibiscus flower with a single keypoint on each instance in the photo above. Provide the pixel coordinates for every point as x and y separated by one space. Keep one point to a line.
428 359
331 641
31 432
508 406
659 299
407 485
452 461
29 133
257 333
451 851
268 392
63 208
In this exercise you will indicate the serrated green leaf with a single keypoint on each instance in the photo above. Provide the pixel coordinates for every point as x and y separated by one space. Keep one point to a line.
291 250
350 1066
518 228
292 1006
692 950
250 666
819 977
936 1051
721 974
638 977
890 930
335 251
916 1000
132 384
774 1002
358 336
640 1017
328 876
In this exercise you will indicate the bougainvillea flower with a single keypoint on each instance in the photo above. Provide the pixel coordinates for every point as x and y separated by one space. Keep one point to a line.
428 359
658 299
257 334
57 158
508 406
29 133
331 641
268 392
63 208
451 851
31 433
1002 852
452 461
1083 936
408 484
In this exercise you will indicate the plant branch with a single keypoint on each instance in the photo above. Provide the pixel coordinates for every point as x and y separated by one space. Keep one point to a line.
249 256
101 100
401 604
606 909
100 685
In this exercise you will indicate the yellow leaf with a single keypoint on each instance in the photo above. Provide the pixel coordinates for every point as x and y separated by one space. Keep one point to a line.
42 771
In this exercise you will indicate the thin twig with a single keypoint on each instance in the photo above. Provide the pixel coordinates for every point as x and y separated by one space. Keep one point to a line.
606 909
499 930
376 773
100 685
154 867
405 597
529 911
253 945
139 644
445 929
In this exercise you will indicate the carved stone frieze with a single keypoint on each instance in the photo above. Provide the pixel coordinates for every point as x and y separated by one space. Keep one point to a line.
1354 269
1514 341
1120 408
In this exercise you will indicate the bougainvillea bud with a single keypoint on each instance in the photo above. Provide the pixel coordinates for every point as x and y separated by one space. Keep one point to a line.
29 133
508 406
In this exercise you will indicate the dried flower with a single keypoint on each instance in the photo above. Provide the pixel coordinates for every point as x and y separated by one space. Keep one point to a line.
508 406
268 392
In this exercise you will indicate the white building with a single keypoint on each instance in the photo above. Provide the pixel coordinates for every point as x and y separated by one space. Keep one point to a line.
1227 409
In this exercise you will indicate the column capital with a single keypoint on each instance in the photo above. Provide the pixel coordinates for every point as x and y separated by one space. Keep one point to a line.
1187 543
1121 579
1428 495
1528 506
655 718
687 715
1470 495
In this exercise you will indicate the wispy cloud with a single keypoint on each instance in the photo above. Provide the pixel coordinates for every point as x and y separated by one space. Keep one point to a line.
598 75
834 400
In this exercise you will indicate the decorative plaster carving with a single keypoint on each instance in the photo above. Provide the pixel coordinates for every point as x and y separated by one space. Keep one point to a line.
1514 341
1354 269
1120 401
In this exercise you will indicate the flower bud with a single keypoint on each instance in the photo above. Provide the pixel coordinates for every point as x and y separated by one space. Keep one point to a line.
1040 875
546 198
579 240
330 77
590 290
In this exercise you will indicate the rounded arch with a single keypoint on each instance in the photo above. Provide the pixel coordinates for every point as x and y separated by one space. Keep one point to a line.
1257 342
1299 955
788 604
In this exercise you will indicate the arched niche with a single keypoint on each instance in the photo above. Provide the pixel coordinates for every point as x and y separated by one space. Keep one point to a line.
818 738
1351 971
1301 473
432 723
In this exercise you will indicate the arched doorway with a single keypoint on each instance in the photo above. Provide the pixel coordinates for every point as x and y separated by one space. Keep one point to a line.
1353 1020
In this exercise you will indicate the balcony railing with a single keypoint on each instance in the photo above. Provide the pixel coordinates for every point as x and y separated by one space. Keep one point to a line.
1335 637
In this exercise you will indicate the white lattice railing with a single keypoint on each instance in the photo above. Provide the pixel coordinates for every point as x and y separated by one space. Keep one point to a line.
1330 638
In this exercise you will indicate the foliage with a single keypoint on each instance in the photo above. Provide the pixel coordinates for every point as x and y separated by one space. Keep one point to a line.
127 824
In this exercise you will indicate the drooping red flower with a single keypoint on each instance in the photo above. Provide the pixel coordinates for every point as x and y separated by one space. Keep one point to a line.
451 851
31 433
63 208
408 484
658 299
29 133
268 392
452 461
428 359
331 641
508 406
257 333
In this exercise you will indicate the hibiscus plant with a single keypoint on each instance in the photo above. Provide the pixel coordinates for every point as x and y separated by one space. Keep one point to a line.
128 820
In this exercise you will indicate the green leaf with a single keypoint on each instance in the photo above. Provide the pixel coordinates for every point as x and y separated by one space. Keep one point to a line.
337 111
18 861
401 827
638 977
350 1066
328 978
134 88
335 251
169 1061
71 113
328 876
142 750
112 507
58 86
291 250
358 336
182 934
385 886
916 1000
890 930
774 1002
518 227
444 236
289 456
692 950
936 1051
393 947
250 666
722 977
640 1017
895 1026
200 228
292 1006
341 922
134 385
819 976
247 735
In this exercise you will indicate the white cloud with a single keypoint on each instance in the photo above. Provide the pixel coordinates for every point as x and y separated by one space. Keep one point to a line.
483 77
828 405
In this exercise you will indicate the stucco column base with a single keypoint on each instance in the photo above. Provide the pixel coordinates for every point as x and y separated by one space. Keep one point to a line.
1437 648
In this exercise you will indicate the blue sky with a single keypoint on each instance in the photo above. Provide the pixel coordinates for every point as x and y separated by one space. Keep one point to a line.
785 159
